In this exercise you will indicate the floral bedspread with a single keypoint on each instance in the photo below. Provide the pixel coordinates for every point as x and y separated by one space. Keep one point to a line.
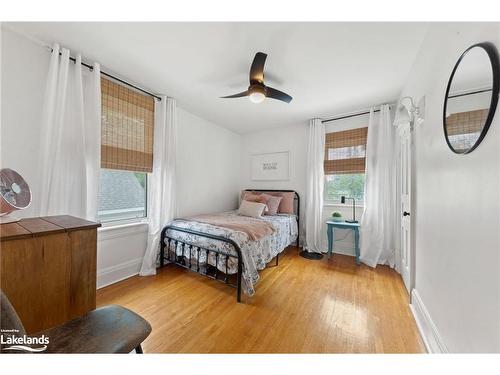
255 254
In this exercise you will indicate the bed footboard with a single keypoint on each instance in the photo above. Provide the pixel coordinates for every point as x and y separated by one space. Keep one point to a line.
166 254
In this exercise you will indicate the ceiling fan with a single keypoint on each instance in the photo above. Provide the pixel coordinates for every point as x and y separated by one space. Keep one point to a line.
258 91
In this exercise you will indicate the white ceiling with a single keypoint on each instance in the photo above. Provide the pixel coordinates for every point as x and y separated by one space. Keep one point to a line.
328 68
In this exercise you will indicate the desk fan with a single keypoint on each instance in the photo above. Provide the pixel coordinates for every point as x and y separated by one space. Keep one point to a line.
15 194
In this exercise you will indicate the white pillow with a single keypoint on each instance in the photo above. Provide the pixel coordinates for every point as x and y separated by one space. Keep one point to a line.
252 209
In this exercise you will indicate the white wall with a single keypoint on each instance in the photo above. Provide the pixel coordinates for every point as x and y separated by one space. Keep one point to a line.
24 69
208 161
457 205
291 138
119 252
208 166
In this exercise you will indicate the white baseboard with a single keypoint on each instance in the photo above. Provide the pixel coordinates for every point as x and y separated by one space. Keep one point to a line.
428 330
119 272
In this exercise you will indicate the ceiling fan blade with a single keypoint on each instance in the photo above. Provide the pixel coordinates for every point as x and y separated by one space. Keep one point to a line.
239 95
277 94
257 69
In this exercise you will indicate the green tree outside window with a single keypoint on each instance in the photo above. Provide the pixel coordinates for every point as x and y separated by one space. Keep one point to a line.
350 185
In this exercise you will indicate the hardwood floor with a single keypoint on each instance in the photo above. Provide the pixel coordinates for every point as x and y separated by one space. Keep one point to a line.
300 306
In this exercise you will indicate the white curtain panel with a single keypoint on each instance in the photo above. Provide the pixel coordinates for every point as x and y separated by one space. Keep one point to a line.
71 139
162 182
378 224
315 185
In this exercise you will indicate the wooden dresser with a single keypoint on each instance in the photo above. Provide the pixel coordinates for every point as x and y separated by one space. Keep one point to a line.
48 269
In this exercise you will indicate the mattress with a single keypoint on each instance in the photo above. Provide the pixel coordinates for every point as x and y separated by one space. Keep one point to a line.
256 254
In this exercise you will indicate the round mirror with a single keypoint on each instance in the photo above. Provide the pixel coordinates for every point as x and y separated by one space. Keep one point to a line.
471 98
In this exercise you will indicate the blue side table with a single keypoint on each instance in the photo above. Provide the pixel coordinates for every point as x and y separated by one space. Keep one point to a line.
342 225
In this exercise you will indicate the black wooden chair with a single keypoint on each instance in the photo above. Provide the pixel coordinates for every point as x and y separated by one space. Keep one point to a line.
109 329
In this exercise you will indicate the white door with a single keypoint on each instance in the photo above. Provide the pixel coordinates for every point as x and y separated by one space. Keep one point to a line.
405 209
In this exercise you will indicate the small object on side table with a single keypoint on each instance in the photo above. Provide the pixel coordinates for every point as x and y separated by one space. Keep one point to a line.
342 200
344 225
337 217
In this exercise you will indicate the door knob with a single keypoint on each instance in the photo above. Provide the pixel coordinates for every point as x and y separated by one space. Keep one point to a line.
406 213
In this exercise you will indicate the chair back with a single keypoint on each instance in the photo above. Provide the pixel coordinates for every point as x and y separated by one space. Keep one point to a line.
9 320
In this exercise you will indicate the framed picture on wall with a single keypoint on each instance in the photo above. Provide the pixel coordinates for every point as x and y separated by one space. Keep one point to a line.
272 166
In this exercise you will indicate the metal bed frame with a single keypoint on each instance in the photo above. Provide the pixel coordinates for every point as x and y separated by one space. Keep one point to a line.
212 272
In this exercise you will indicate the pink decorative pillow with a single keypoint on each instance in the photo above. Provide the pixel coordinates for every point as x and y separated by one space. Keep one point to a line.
273 204
259 198
245 193
286 205
256 198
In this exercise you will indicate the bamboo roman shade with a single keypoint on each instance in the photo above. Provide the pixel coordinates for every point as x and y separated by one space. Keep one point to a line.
127 128
345 151
466 122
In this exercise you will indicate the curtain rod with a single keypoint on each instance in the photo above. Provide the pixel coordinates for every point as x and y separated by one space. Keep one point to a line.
349 116
469 93
90 67
353 115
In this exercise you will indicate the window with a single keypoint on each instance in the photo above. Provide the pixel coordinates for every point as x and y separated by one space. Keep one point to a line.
345 153
464 128
122 195
126 152
351 185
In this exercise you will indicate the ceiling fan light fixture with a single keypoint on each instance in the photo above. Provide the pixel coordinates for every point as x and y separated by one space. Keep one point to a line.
257 94
256 97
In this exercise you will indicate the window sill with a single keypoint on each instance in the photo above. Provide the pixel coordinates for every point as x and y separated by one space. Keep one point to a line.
122 230
110 225
340 205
